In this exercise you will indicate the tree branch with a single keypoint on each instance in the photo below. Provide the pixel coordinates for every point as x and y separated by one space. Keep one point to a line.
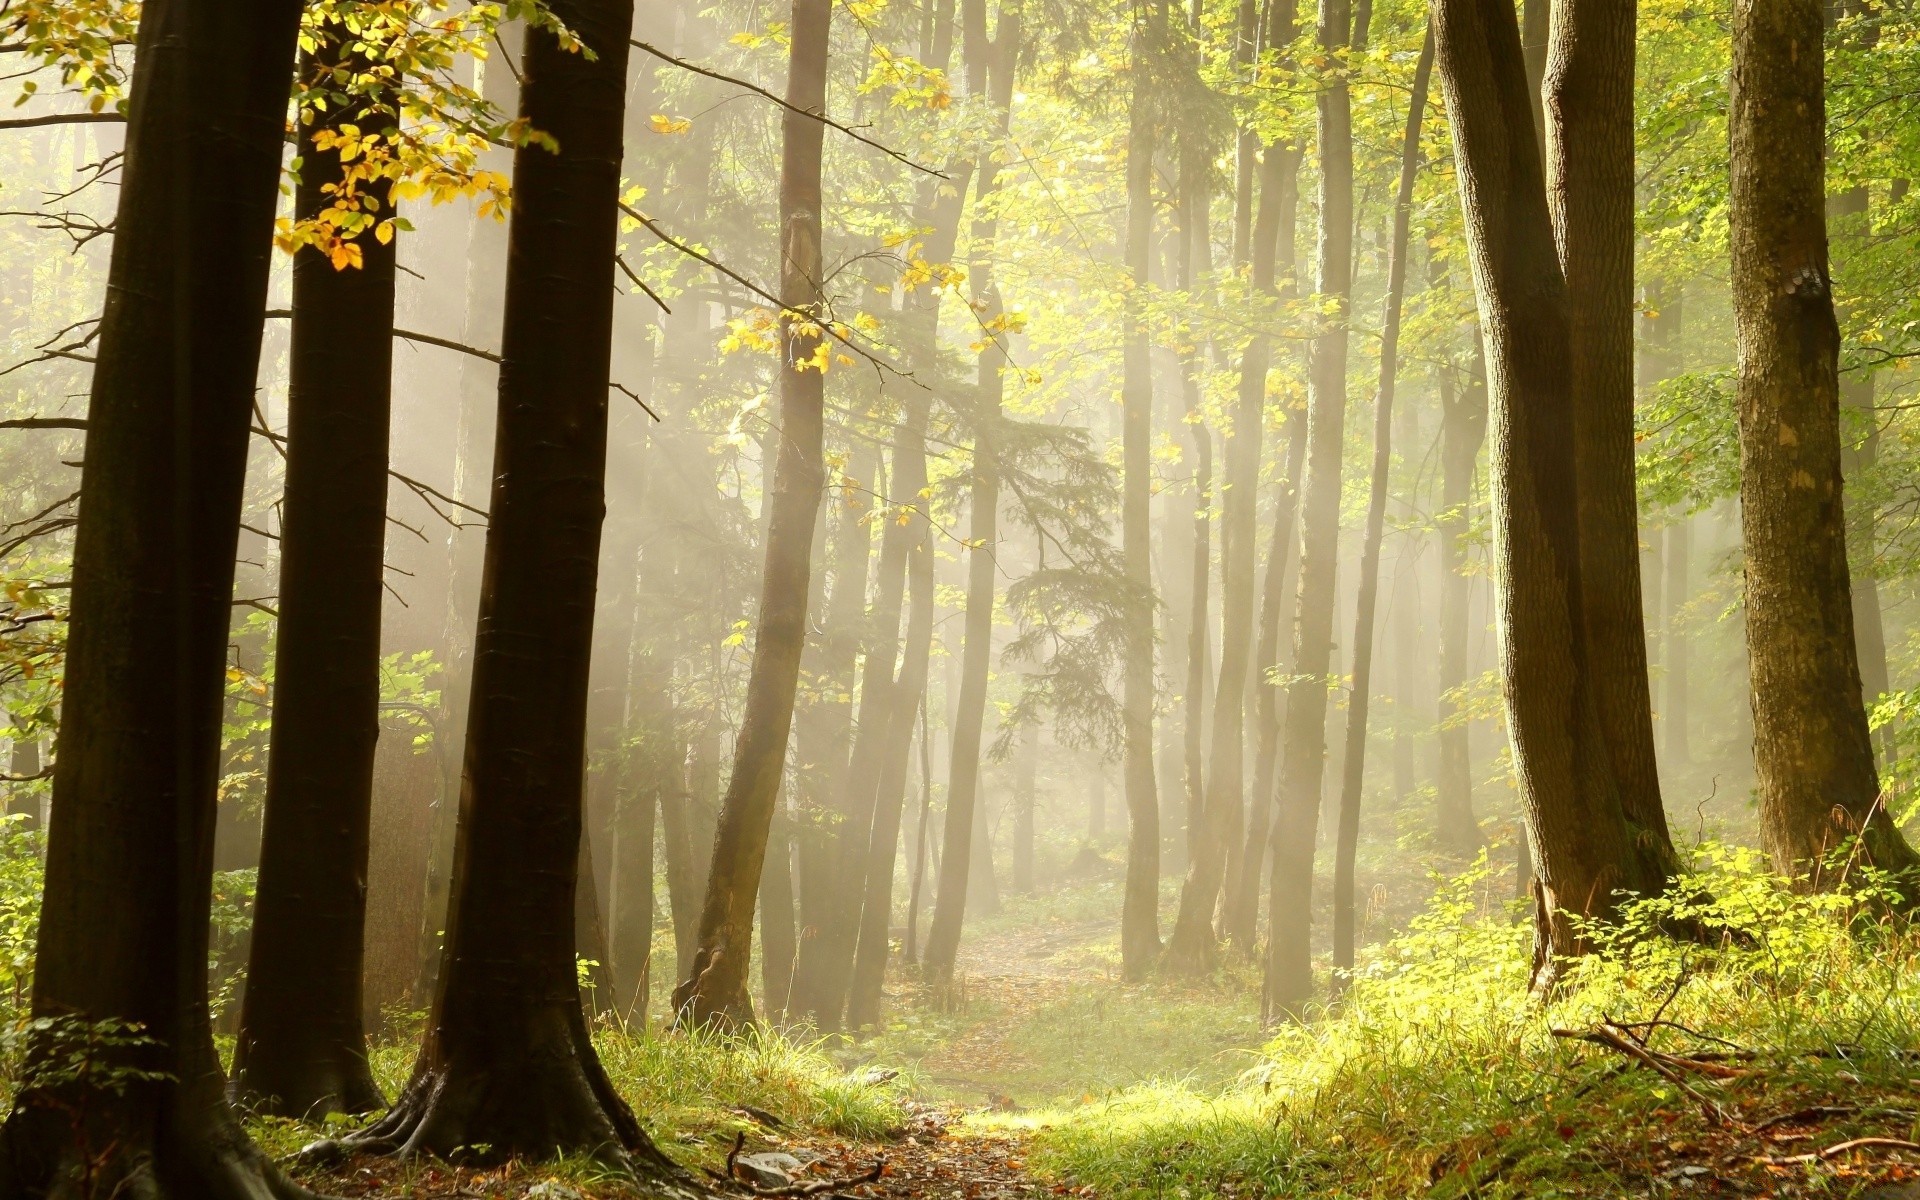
89 118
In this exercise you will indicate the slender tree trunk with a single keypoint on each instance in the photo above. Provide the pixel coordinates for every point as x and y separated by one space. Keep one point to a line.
507 1063
910 951
23 798
909 696
779 936
123 931
1026 764
1353 766
1463 431
1813 756
1305 735
1590 181
990 70
1582 843
302 1051
630 899
715 991
1679 552
838 807
1191 949
1139 920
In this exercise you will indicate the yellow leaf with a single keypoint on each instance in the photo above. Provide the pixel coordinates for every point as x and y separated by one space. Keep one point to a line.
662 123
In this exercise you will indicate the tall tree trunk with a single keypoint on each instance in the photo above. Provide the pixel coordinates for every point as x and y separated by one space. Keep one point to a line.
909 691
1353 765
1191 948
302 1051
507 1062
990 69
1305 736
1463 430
910 950
838 808
123 928
1813 756
1582 843
23 797
715 991
630 895
1679 552
1139 919
779 935
1590 192
1026 765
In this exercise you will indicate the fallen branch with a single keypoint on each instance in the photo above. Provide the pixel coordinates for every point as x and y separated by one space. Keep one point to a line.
1613 1038
1864 1143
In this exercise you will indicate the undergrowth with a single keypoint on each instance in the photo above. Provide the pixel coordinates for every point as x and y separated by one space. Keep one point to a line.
1788 1029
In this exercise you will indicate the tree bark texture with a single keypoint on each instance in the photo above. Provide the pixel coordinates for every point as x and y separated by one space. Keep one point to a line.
1813 757
121 959
507 1062
302 1051
1590 193
1582 844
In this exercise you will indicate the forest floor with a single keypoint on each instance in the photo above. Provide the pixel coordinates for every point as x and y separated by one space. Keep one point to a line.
1041 1074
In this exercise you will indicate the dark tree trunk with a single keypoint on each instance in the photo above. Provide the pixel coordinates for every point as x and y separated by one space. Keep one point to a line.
715 990
1463 431
1304 742
1581 840
1139 918
1589 105
1353 765
302 1051
507 1062
1813 756
123 932
990 69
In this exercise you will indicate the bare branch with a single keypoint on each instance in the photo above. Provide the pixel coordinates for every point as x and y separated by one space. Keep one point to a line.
99 118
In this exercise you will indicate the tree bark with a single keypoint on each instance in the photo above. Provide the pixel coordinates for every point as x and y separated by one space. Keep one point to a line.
1590 192
1581 840
1813 756
121 958
1139 919
1353 765
990 69
1305 735
302 1051
715 991
507 1063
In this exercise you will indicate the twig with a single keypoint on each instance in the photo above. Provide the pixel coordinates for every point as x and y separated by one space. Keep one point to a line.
87 118
635 397
641 284
808 113
45 423
821 1185
1865 1143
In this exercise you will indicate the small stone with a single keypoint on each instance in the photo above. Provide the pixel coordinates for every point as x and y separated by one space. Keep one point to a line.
768 1170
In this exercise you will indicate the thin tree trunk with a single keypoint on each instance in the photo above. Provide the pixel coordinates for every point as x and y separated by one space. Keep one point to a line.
1679 552
909 698
779 936
715 991
1305 737
1191 948
23 798
839 806
1139 919
1353 766
1026 764
1581 840
1813 756
990 69
1463 431
123 931
910 950
630 899
1590 191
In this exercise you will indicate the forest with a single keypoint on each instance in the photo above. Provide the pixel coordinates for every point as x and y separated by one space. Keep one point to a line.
968 599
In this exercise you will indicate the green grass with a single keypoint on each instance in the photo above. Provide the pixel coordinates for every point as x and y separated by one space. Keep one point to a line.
1439 1075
